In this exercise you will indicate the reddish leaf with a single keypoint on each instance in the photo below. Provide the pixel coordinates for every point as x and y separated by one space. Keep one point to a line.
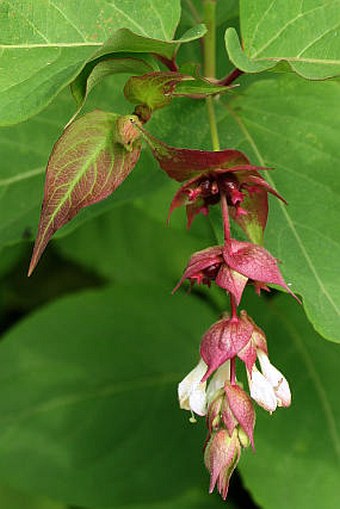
254 262
184 163
90 160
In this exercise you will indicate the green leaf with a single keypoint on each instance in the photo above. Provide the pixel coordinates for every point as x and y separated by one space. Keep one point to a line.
125 40
88 398
155 89
90 160
14 499
44 44
298 447
95 71
194 499
303 34
199 88
126 245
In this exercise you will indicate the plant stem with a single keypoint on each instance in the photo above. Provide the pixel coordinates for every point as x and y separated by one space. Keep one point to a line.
230 78
209 8
209 54
225 217
212 122
233 306
233 371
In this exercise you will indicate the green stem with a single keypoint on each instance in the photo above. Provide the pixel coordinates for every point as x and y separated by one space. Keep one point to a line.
210 63
209 8
212 122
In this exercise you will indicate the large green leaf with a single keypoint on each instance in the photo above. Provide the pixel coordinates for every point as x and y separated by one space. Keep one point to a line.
304 34
14 499
297 459
126 245
45 44
292 126
88 398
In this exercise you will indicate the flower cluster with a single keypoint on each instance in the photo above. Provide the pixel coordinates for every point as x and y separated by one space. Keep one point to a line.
211 389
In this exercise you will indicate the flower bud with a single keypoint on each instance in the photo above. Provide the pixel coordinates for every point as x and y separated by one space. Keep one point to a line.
221 457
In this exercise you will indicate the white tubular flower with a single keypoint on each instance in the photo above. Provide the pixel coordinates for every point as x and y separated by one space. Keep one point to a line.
191 392
261 390
276 380
221 375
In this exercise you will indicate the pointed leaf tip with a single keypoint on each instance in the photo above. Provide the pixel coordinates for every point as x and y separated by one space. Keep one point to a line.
90 160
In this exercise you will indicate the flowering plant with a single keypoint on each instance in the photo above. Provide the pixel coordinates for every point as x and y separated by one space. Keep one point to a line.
217 116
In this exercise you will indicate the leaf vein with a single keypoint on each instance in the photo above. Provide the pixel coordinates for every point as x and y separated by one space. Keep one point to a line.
68 20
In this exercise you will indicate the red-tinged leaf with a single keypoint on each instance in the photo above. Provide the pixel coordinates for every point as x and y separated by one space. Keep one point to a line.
183 163
254 262
90 160
254 219
201 265
231 281
155 89
242 408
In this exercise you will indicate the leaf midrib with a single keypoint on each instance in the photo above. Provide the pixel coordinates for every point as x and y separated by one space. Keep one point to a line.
75 181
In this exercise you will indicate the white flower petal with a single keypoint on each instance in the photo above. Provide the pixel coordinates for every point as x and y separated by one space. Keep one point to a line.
198 400
276 379
261 391
191 392
219 378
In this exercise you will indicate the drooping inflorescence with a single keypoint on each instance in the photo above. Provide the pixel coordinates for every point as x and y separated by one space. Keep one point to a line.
211 389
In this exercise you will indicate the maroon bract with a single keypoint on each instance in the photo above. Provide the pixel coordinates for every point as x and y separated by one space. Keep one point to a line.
232 266
183 163
238 409
255 263
223 341
257 343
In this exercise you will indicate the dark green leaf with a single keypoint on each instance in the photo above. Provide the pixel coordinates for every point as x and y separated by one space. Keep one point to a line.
127 245
88 398
14 499
303 34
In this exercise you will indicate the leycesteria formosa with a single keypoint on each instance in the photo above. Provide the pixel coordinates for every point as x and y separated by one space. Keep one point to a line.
227 178
93 157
